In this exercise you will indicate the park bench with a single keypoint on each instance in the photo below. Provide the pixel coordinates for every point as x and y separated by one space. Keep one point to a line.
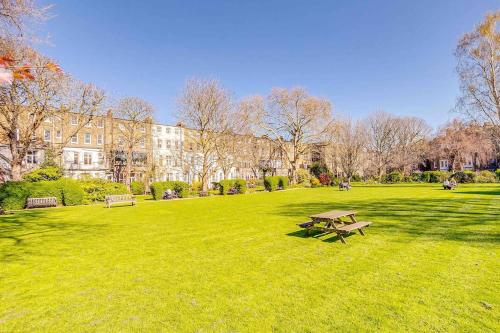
331 222
119 198
41 202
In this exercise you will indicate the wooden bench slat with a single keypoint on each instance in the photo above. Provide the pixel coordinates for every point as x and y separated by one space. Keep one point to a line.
354 226
306 224
41 202
119 198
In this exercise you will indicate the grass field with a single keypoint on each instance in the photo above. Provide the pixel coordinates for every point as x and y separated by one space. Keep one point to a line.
429 262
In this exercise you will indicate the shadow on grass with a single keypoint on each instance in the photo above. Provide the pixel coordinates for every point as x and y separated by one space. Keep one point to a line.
489 192
21 230
454 219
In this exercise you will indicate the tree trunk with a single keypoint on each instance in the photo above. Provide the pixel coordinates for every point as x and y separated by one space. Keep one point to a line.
15 171
128 168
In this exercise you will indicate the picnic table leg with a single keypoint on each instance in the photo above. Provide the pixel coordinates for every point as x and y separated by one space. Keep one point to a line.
361 231
341 238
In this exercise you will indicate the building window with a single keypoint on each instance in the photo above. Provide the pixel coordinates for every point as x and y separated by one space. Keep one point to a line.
47 120
31 157
100 156
443 164
58 134
168 143
143 143
74 120
158 129
177 131
100 139
169 160
169 177
159 143
167 130
87 158
76 157
46 135
176 144
100 123
88 138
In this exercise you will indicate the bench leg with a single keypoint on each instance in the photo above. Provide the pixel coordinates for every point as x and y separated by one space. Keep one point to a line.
361 232
341 238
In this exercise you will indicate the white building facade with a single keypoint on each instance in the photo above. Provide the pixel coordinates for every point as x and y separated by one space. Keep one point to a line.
168 154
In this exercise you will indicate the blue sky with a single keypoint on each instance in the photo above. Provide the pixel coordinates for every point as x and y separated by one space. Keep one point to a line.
363 56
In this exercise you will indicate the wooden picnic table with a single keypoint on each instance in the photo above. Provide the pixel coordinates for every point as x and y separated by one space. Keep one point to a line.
333 221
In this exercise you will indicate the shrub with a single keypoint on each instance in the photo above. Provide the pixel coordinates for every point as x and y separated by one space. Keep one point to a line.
317 169
393 177
497 172
97 189
486 176
303 176
180 188
356 178
435 176
72 192
465 176
416 177
46 189
225 185
315 182
271 183
282 182
13 195
196 186
47 173
137 187
325 179
240 185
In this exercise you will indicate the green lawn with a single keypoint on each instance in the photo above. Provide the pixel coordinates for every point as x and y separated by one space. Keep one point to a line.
429 262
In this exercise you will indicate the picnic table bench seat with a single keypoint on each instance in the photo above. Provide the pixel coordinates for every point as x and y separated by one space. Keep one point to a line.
119 198
41 202
306 224
354 226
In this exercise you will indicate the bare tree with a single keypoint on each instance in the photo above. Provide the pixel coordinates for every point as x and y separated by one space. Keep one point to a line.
43 95
135 113
478 55
458 141
382 140
15 15
351 136
294 119
411 136
204 107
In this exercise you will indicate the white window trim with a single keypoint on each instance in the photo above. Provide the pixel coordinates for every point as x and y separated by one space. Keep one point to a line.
85 139
76 141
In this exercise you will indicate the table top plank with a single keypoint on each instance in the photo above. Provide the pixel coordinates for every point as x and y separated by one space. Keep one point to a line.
333 214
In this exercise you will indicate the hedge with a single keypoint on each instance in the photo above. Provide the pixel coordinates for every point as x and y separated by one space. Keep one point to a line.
271 183
464 176
435 176
137 187
13 195
224 186
497 172
158 188
46 189
72 192
393 177
486 176
283 182
96 189
47 173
